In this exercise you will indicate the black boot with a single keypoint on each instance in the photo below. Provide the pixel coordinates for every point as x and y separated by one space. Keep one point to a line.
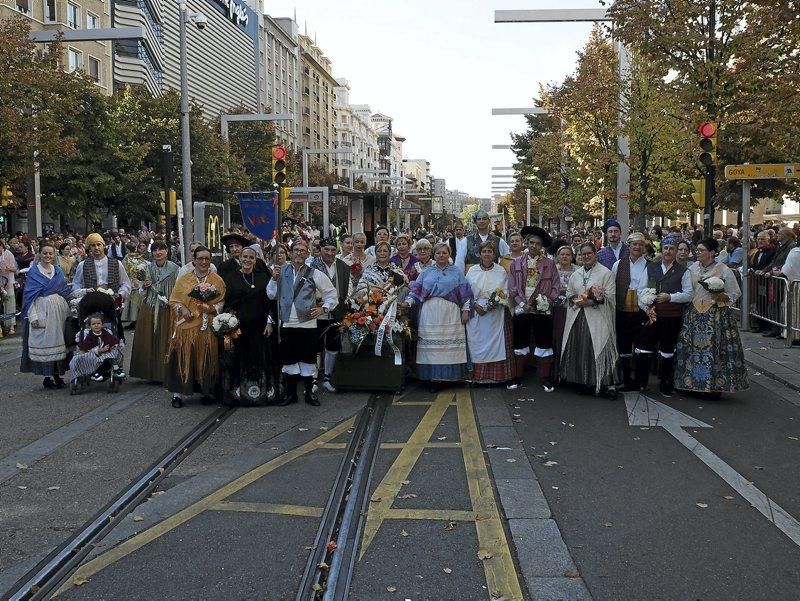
290 390
643 364
625 367
310 396
666 374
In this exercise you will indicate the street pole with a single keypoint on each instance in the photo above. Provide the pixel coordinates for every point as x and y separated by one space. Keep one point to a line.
528 206
186 151
711 170
623 169
745 300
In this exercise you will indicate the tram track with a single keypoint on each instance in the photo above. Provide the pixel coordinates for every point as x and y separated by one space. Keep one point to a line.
54 569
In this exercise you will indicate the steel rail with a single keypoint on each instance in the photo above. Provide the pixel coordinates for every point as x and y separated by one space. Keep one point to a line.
64 560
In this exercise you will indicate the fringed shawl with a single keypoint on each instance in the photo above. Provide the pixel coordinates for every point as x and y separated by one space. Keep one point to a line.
37 284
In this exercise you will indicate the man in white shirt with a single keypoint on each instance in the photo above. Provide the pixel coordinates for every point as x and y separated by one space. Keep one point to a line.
474 241
97 271
458 245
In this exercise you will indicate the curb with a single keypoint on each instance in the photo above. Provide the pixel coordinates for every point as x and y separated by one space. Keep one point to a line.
772 376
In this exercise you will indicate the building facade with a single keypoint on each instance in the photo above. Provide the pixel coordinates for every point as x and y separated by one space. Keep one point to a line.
280 80
223 56
64 15
317 84
353 129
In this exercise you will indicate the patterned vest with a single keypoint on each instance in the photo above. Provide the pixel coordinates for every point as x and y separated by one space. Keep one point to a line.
90 274
623 282
305 297
669 282
474 248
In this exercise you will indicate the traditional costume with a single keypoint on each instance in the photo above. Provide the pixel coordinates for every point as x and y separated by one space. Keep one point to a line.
153 324
44 350
135 265
489 336
589 351
709 355
92 273
94 352
443 294
192 362
296 293
473 245
232 264
630 277
662 335
608 255
560 308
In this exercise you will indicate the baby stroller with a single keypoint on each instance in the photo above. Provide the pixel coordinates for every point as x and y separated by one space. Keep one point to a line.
90 367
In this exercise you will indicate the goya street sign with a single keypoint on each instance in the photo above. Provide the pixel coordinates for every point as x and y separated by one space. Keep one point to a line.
763 171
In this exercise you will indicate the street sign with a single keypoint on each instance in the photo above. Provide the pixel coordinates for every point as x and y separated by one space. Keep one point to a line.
763 171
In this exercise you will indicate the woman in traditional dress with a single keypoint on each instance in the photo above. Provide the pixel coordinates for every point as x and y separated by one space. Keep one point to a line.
709 356
135 265
589 352
517 250
565 264
153 322
445 297
44 314
192 355
245 376
379 273
424 252
404 259
8 271
684 256
66 260
359 257
489 331
533 286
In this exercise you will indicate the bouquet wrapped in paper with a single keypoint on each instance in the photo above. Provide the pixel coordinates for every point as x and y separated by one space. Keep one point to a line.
372 311
648 297
204 292
226 326
713 284
138 269
496 298
594 293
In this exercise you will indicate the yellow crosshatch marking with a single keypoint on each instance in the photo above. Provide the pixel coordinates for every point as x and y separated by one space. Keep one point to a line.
499 569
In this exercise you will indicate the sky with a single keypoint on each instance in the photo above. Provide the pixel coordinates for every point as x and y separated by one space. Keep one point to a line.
438 67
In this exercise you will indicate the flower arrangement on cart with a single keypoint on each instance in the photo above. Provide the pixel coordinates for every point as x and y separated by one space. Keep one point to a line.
373 315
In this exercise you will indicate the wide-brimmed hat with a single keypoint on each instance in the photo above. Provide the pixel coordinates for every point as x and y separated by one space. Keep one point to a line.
234 237
533 230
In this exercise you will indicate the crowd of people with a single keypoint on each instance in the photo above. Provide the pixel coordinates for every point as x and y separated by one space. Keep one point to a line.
583 307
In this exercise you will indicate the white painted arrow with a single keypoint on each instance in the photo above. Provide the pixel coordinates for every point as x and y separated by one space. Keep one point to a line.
647 412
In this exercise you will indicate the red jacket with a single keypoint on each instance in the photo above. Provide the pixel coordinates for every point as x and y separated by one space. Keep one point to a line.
518 274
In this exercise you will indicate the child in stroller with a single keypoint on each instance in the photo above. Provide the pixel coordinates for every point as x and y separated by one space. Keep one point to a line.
98 355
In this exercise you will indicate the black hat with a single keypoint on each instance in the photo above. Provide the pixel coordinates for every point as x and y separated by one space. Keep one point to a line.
234 237
533 230
330 241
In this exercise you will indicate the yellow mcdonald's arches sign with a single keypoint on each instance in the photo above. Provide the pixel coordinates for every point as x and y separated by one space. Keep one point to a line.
213 232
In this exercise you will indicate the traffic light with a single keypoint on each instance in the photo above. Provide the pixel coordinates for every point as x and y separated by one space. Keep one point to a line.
699 194
279 165
708 143
285 200
6 197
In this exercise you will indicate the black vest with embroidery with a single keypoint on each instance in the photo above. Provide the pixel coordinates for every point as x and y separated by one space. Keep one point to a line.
90 274
670 283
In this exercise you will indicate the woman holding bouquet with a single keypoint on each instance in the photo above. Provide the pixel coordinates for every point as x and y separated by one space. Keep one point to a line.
533 286
244 375
404 259
153 323
445 297
489 331
565 264
381 272
135 265
192 354
359 260
709 356
589 352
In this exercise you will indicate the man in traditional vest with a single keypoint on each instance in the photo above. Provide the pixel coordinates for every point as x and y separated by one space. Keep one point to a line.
630 273
235 243
338 272
474 241
295 286
614 249
98 271
673 286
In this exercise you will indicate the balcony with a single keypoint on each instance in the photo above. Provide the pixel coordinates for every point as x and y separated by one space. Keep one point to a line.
143 6
144 56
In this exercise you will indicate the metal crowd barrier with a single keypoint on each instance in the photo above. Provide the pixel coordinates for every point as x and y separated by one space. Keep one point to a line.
776 301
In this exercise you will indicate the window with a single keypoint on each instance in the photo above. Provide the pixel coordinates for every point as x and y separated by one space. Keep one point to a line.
23 6
75 59
92 21
73 15
94 69
50 10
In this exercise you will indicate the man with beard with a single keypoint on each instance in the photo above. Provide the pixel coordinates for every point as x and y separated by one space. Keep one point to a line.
615 249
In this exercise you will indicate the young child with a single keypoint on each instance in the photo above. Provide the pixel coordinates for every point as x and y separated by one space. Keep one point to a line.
98 349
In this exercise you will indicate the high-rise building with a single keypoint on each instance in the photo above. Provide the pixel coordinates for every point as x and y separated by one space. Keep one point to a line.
354 130
317 84
92 57
280 81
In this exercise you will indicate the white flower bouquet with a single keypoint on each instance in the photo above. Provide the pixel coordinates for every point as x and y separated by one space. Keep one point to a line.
542 303
648 296
713 284
224 323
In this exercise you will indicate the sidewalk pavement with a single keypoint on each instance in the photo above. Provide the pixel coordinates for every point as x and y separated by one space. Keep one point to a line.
773 358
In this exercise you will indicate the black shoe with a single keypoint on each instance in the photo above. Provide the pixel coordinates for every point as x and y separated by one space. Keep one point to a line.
665 388
48 383
287 400
610 394
177 401
207 399
59 382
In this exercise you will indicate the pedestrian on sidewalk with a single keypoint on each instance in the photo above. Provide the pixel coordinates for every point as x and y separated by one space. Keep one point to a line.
709 356
8 270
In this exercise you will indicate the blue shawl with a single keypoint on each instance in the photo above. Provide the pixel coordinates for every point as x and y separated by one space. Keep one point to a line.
37 284
448 283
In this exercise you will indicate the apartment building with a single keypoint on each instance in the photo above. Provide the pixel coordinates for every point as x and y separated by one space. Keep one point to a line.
280 81
317 98
354 130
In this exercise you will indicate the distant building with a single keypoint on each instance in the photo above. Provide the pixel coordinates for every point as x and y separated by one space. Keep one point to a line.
317 97
280 79
354 130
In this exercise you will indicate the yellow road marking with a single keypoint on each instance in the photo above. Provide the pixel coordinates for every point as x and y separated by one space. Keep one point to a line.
501 574
396 445
447 515
276 508
143 538
390 486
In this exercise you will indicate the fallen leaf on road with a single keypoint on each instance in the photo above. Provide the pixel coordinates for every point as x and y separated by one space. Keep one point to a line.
441 438
608 524
138 518
407 496
554 487
572 574
491 446
53 488
448 571
375 500
793 438
311 547
22 487
317 586
702 505
22 466
484 554
758 467
450 526
391 588
405 482
553 443
303 429
728 498
403 533
79 581
511 460
550 463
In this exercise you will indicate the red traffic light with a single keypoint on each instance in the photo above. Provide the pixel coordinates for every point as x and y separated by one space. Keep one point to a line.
279 153
707 129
